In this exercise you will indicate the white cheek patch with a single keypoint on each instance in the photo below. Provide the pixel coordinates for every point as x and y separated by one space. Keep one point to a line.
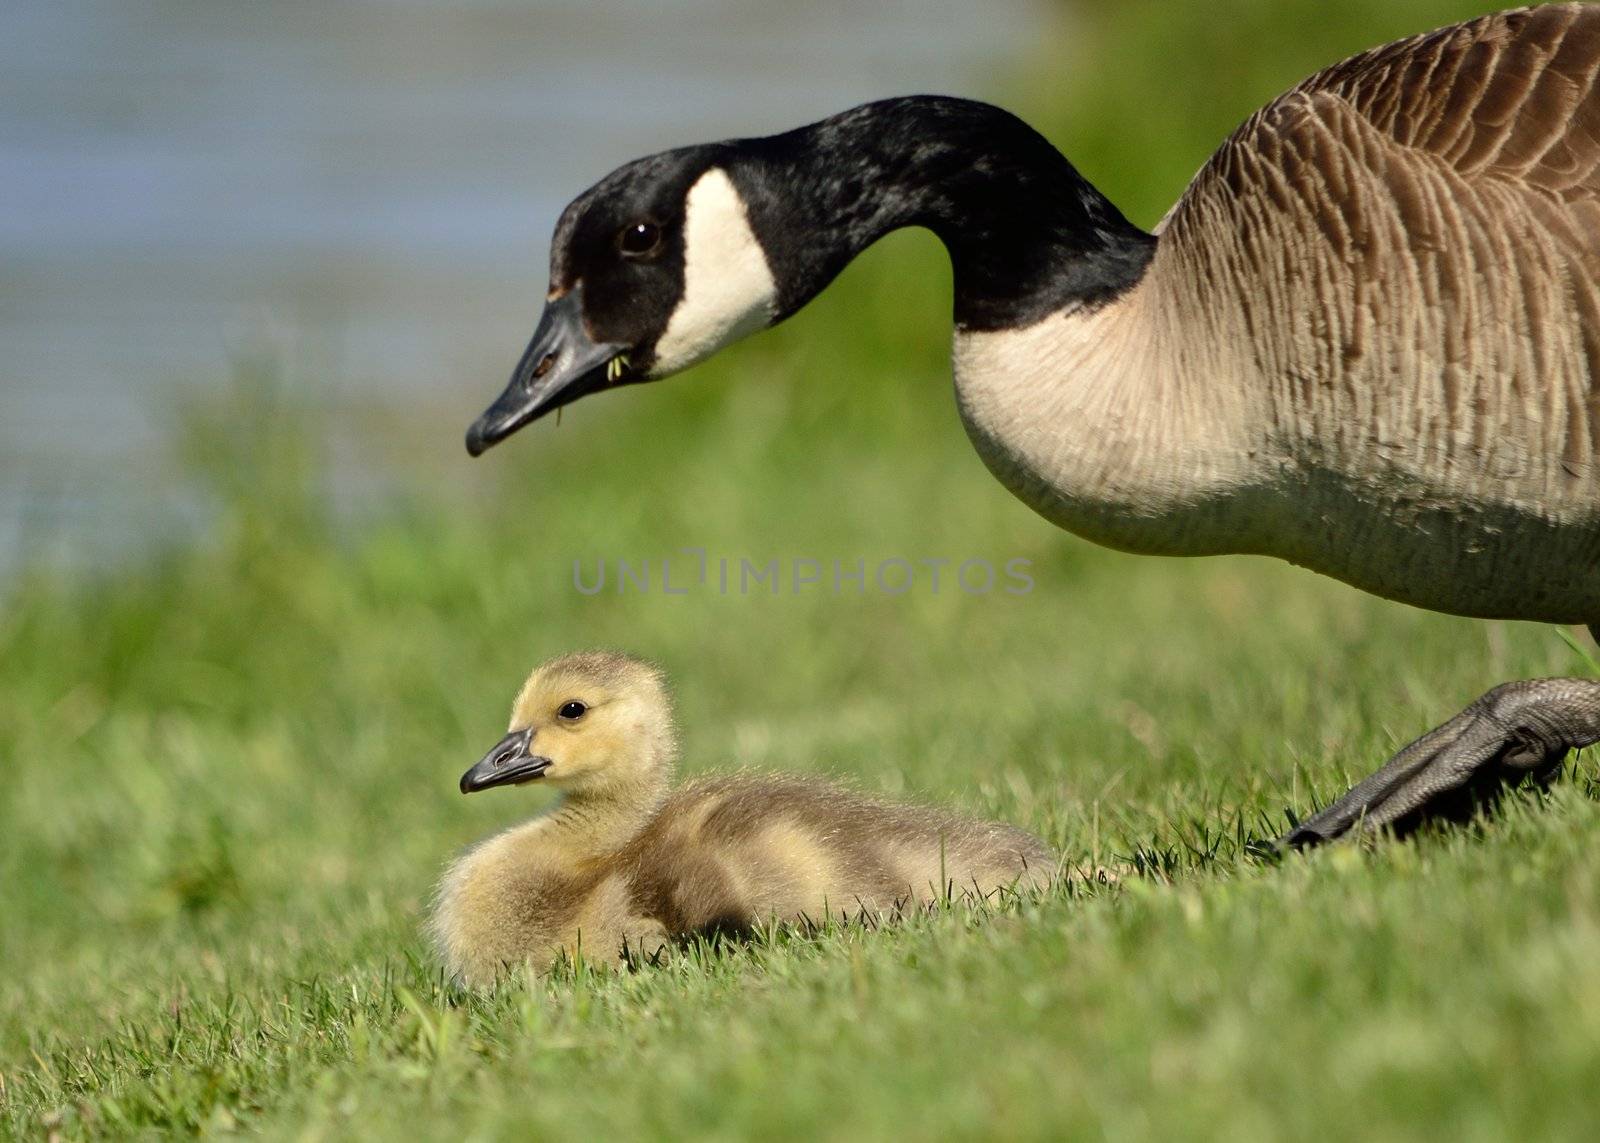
728 291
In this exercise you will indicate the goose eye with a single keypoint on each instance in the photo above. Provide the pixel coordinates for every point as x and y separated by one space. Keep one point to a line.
571 711
640 239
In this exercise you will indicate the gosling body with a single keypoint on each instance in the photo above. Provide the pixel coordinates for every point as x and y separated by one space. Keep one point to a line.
626 864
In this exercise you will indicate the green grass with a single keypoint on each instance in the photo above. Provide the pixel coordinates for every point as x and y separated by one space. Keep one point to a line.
229 772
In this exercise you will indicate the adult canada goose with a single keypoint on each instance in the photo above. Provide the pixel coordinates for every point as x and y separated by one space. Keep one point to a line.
625 863
1365 340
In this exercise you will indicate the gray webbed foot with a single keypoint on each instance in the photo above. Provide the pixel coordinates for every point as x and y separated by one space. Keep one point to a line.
1516 731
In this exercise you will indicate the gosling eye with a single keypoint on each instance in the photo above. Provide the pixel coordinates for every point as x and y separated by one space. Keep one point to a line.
640 240
571 711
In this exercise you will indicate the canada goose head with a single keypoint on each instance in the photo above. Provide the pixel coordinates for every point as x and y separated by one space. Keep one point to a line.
591 723
672 257
652 270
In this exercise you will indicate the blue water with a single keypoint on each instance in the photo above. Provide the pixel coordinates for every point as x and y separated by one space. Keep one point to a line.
360 189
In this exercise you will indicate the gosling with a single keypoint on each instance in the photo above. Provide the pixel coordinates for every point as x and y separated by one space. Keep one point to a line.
624 865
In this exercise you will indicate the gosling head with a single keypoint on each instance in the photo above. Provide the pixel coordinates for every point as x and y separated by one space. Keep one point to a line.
591 723
652 269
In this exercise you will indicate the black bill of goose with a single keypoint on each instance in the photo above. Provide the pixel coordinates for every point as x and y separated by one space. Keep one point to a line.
626 862
1365 340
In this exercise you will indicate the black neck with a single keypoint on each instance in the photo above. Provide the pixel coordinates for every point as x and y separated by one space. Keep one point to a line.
1026 232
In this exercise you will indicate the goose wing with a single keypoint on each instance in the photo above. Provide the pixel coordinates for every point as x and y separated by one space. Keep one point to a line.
1507 97
1410 244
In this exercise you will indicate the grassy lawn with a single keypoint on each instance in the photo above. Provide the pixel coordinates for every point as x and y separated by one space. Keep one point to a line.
230 770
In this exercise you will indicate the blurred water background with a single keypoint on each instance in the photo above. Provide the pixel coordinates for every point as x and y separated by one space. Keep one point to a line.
354 195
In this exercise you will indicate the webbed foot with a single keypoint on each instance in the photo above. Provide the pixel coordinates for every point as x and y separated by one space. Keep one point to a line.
1515 731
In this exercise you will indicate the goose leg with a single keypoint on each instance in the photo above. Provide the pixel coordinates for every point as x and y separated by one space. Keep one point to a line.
1517 730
